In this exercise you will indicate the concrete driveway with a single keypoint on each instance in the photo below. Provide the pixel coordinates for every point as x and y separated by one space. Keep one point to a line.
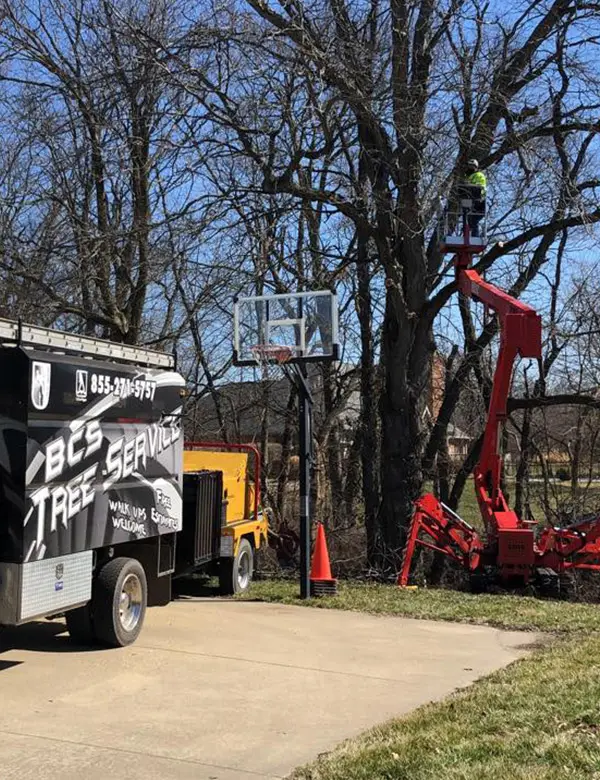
223 690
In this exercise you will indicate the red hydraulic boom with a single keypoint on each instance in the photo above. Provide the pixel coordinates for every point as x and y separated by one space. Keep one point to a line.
510 547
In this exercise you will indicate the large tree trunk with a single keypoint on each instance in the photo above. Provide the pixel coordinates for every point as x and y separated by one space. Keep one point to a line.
406 364
368 422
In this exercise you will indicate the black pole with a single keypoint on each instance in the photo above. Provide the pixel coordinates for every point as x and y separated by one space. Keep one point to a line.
304 415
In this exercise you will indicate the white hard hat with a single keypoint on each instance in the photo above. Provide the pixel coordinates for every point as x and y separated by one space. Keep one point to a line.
473 163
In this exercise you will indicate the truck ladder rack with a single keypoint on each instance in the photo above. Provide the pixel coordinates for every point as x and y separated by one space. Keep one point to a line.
24 335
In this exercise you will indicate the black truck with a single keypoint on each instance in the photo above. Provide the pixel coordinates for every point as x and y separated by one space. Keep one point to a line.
92 483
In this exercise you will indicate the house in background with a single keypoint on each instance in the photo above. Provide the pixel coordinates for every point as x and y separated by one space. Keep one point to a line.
255 411
566 442
458 440
459 443
264 413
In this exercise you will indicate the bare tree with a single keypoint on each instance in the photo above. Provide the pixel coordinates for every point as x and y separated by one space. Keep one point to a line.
96 111
412 90
161 158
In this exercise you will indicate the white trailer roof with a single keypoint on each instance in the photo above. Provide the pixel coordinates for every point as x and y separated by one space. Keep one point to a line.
25 335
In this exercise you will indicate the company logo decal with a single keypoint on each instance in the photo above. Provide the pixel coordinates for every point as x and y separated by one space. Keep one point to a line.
40 384
81 385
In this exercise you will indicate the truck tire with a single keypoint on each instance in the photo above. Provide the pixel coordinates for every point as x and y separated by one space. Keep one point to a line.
79 625
235 574
119 602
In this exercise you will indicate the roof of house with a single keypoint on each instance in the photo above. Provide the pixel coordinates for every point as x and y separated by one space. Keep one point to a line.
454 432
245 407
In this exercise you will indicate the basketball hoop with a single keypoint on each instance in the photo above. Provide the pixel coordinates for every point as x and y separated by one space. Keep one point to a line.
270 358
292 328
271 353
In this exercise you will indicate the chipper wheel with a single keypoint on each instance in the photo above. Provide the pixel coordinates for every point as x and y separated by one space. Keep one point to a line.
235 574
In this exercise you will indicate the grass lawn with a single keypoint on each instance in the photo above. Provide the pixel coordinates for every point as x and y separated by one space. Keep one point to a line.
537 719
514 612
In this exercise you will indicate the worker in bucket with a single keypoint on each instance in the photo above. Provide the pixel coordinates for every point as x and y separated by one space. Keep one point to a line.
474 187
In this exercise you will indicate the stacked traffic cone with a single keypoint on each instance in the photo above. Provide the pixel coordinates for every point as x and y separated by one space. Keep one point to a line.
321 581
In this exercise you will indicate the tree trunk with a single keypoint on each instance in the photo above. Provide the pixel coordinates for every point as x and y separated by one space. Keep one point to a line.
368 422
335 476
264 437
576 462
286 451
406 363
523 469
352 480
331 459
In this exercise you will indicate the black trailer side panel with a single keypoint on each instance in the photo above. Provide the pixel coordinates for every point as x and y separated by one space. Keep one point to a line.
200 538
14 369
104 455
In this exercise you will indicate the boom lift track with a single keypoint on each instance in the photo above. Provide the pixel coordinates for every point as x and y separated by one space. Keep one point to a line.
510 547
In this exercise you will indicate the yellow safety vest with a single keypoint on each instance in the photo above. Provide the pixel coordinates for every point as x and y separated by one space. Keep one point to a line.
478 179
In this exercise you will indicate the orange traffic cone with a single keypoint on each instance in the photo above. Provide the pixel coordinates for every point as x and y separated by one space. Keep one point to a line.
321 581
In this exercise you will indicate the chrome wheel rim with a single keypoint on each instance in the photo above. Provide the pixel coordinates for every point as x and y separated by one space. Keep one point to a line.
130 604
243 570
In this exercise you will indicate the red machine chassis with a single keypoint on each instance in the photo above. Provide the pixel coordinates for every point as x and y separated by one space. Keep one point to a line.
510 544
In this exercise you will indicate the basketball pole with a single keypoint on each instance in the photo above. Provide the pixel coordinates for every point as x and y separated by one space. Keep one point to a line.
308 322
305 404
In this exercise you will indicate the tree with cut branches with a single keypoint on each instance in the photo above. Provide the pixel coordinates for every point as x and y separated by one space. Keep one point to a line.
161 158
395 97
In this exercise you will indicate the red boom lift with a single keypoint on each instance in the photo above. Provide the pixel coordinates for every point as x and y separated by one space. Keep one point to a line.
510 551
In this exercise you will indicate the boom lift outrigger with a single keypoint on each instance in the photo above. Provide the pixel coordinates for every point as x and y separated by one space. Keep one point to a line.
510 550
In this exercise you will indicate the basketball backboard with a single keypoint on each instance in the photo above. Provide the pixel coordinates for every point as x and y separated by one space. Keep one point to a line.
304 325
